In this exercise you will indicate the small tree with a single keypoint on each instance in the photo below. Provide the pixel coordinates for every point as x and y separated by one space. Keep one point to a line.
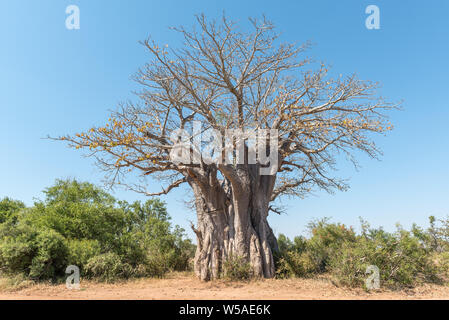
226 79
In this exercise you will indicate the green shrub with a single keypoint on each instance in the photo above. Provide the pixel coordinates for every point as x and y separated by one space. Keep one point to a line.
78 223
50 260
402 259
157 265
80 251
184 251
294 264
108 267
327 239
441 260
17 248
437 235
36 253
304 257
286 245
237 268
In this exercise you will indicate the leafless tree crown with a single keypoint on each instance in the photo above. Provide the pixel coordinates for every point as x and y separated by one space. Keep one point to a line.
229 79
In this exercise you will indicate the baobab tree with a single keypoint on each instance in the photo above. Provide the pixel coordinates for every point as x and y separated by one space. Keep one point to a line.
227 79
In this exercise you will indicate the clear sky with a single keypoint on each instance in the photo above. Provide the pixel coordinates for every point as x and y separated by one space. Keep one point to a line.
55 81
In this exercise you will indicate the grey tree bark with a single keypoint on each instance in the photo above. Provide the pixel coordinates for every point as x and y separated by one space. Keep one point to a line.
232 222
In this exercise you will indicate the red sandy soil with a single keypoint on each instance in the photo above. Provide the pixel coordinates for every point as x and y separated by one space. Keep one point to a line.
186 286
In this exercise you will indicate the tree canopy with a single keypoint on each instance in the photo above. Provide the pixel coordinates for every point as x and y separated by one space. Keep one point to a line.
228 79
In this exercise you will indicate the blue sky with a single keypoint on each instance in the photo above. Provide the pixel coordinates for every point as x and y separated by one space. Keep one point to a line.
55 81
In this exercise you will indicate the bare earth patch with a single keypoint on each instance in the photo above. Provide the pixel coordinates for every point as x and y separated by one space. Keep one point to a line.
184 286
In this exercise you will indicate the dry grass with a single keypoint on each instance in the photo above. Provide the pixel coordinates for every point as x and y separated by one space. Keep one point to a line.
186 286
15 283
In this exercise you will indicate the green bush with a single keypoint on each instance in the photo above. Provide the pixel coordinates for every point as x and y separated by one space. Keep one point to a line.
80 224
327 239
437 235
17 248
79 211
157 264
441 260
305 257
401 257
50 260
80 251
108 267
37 253
237 268
296 264
404 258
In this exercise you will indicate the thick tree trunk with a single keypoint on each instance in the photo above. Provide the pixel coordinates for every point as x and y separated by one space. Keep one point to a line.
233 224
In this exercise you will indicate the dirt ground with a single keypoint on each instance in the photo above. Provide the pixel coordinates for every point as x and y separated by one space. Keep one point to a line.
186 286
